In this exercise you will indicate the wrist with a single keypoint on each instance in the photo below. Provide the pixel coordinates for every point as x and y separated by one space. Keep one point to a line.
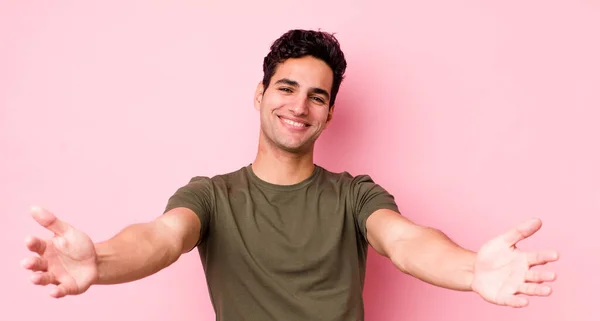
471 272
102 256
468 271
471 277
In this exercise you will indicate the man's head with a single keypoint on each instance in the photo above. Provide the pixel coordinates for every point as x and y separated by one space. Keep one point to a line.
302 76
301 43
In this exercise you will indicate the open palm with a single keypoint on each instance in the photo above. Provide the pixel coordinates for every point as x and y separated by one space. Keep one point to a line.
67 260
503 273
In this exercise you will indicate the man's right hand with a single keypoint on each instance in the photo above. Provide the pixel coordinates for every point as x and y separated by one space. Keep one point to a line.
67 260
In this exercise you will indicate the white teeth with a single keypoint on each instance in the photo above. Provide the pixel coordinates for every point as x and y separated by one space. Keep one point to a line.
293 123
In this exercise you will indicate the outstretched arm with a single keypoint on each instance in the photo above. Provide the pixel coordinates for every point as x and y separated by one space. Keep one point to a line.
425 253
498 271
72 262
143 249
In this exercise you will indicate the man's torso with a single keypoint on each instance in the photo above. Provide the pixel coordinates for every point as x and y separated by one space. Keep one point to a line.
289 253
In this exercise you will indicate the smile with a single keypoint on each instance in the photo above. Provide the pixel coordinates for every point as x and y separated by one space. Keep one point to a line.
292 123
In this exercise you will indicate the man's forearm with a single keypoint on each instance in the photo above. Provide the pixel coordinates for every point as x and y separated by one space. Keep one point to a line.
432 257
136 252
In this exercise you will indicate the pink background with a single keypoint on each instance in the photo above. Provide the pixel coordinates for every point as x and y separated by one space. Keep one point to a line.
475 114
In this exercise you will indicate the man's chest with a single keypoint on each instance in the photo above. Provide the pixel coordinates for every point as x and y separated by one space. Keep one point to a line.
285 231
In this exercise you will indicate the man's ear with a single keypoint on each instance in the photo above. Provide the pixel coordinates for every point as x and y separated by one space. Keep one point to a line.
258 95
330 115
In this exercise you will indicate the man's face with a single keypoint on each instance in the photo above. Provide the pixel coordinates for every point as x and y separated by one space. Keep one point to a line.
294 109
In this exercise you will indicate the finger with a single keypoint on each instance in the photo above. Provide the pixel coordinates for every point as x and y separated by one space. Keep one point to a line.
43 278
542 257
535 289
522 231
516 301
35 264
36 245
49 221
540 276
59 291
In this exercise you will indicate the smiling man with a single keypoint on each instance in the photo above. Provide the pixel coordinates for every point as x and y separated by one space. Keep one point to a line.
283 238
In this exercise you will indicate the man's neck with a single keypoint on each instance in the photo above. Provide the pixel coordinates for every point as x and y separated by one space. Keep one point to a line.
279 167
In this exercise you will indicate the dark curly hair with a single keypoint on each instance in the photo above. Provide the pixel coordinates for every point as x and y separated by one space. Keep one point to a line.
298 43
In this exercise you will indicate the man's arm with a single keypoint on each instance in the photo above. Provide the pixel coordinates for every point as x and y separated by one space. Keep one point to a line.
499 272
71 261
143 249
423 252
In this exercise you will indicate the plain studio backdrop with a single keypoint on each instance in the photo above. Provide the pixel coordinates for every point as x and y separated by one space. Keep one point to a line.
476 115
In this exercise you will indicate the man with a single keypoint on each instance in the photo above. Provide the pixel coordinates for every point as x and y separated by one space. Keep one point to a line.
283 238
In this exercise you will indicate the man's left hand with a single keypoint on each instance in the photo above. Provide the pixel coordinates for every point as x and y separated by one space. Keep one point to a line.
503 274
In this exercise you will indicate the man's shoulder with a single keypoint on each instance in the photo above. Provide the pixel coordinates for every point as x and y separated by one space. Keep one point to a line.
230 175
220 178
345 176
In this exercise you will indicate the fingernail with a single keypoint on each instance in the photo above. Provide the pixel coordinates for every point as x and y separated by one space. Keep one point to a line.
35 208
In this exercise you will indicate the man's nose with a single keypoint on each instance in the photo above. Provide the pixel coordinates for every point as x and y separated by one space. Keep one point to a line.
299 106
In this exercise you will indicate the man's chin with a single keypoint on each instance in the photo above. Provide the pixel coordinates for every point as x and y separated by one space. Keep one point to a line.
292 146
296 148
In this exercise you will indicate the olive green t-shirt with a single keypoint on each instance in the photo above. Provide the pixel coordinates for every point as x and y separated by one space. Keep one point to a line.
284 253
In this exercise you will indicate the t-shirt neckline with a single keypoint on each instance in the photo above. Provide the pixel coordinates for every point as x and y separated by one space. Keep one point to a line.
254 178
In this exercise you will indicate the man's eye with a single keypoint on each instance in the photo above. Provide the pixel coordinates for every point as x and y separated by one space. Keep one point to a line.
318 99
284 89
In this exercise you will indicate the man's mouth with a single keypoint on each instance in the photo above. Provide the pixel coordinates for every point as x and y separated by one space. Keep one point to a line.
293 123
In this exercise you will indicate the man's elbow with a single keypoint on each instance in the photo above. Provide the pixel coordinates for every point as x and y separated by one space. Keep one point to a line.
167 242
404 250
182 228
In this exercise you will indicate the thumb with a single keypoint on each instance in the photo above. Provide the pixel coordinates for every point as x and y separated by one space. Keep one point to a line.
49 220
59 291
522 231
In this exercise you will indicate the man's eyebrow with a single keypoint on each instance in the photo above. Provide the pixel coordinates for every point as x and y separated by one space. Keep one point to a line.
320 91
288 82
294 83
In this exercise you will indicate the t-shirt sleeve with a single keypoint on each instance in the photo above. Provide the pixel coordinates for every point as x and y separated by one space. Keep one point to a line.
197 195
368 198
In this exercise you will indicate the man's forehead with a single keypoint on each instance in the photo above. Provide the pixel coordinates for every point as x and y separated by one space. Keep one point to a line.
302 82
293 83
305 67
